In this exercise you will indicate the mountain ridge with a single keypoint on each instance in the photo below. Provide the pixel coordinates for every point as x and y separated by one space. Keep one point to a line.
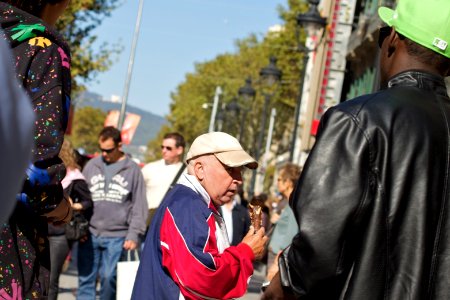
148 127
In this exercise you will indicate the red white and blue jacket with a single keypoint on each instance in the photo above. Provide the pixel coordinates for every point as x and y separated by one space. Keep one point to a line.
187 253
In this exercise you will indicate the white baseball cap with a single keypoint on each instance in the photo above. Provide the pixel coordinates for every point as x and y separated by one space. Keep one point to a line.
224 147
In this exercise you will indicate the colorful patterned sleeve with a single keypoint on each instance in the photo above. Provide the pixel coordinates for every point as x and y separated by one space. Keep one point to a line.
47 81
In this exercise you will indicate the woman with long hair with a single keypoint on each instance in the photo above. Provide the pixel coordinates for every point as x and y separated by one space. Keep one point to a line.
75 186
283 219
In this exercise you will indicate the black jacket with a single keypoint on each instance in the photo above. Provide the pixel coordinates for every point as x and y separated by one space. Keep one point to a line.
79 193
372 202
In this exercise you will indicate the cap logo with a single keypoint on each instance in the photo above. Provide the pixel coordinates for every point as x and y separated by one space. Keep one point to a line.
441 44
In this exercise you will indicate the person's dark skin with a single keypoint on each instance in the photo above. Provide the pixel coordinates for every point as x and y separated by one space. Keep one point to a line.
394 59
51 12
276 292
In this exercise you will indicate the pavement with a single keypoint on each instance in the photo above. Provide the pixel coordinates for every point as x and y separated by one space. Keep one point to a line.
68 284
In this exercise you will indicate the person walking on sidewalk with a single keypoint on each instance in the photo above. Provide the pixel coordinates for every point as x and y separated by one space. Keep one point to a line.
118 220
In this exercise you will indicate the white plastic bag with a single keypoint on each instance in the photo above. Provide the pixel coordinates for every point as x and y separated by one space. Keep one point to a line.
126 274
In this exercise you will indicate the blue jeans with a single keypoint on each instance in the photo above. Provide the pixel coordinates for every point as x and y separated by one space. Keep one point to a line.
98 256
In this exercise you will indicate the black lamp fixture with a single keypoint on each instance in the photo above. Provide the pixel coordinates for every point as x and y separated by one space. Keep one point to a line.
312 22
233 107
231 111
220 119
247 94
270 76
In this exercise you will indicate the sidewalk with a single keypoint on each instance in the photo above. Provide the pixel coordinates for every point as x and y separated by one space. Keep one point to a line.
68 283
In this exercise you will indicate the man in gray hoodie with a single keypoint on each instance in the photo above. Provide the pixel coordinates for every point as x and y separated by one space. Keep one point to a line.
120 212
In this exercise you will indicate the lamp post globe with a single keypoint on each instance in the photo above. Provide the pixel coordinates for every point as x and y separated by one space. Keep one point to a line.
311 20
271 74
233 107
232 110
247 93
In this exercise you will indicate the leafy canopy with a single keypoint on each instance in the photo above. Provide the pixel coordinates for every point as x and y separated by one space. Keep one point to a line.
229 71
77 25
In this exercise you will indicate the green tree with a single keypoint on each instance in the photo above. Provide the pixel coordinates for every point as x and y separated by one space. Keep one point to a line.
77 25
87 124
229 71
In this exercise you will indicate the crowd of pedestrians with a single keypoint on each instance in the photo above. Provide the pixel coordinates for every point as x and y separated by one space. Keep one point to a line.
365 218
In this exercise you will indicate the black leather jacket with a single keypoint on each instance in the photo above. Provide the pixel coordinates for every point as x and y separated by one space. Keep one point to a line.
373 200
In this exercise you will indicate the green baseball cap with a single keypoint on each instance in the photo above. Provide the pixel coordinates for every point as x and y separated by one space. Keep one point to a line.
426 22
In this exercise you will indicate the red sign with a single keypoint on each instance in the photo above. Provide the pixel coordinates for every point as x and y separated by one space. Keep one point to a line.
129 126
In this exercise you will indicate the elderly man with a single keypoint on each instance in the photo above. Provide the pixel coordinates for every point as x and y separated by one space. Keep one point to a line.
187 253
372 203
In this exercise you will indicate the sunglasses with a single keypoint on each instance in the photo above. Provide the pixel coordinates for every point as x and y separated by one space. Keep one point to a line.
166 147
383 34
107 150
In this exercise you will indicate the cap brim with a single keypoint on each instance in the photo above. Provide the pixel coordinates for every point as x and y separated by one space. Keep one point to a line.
386 15
237 158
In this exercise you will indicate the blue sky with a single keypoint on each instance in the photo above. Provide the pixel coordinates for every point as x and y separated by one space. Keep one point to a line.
174 35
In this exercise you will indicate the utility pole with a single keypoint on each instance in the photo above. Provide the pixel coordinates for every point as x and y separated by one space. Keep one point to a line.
214 108
130 65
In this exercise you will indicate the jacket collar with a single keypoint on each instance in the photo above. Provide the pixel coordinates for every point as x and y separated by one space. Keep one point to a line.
191 182
420 79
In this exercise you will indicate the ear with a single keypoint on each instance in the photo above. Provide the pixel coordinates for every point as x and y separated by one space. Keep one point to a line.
393 42
199 171
179 150
119 146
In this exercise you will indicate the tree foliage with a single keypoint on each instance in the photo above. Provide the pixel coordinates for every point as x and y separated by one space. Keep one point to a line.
229 71
87 124
77 25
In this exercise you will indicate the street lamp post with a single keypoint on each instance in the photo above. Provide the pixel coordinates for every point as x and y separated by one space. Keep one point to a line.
247 93
233 110
311 21
270 76
130 65
217 94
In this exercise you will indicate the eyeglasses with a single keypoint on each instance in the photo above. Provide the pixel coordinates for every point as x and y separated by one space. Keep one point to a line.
383 34
107 150
166 147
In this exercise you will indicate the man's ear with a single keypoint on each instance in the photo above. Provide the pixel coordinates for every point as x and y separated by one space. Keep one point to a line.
393 39
119 146
199 171
179 150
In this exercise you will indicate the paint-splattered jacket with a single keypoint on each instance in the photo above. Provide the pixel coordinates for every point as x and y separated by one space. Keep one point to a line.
43 69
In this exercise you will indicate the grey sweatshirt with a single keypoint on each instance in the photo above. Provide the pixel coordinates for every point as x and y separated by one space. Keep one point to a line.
120 208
